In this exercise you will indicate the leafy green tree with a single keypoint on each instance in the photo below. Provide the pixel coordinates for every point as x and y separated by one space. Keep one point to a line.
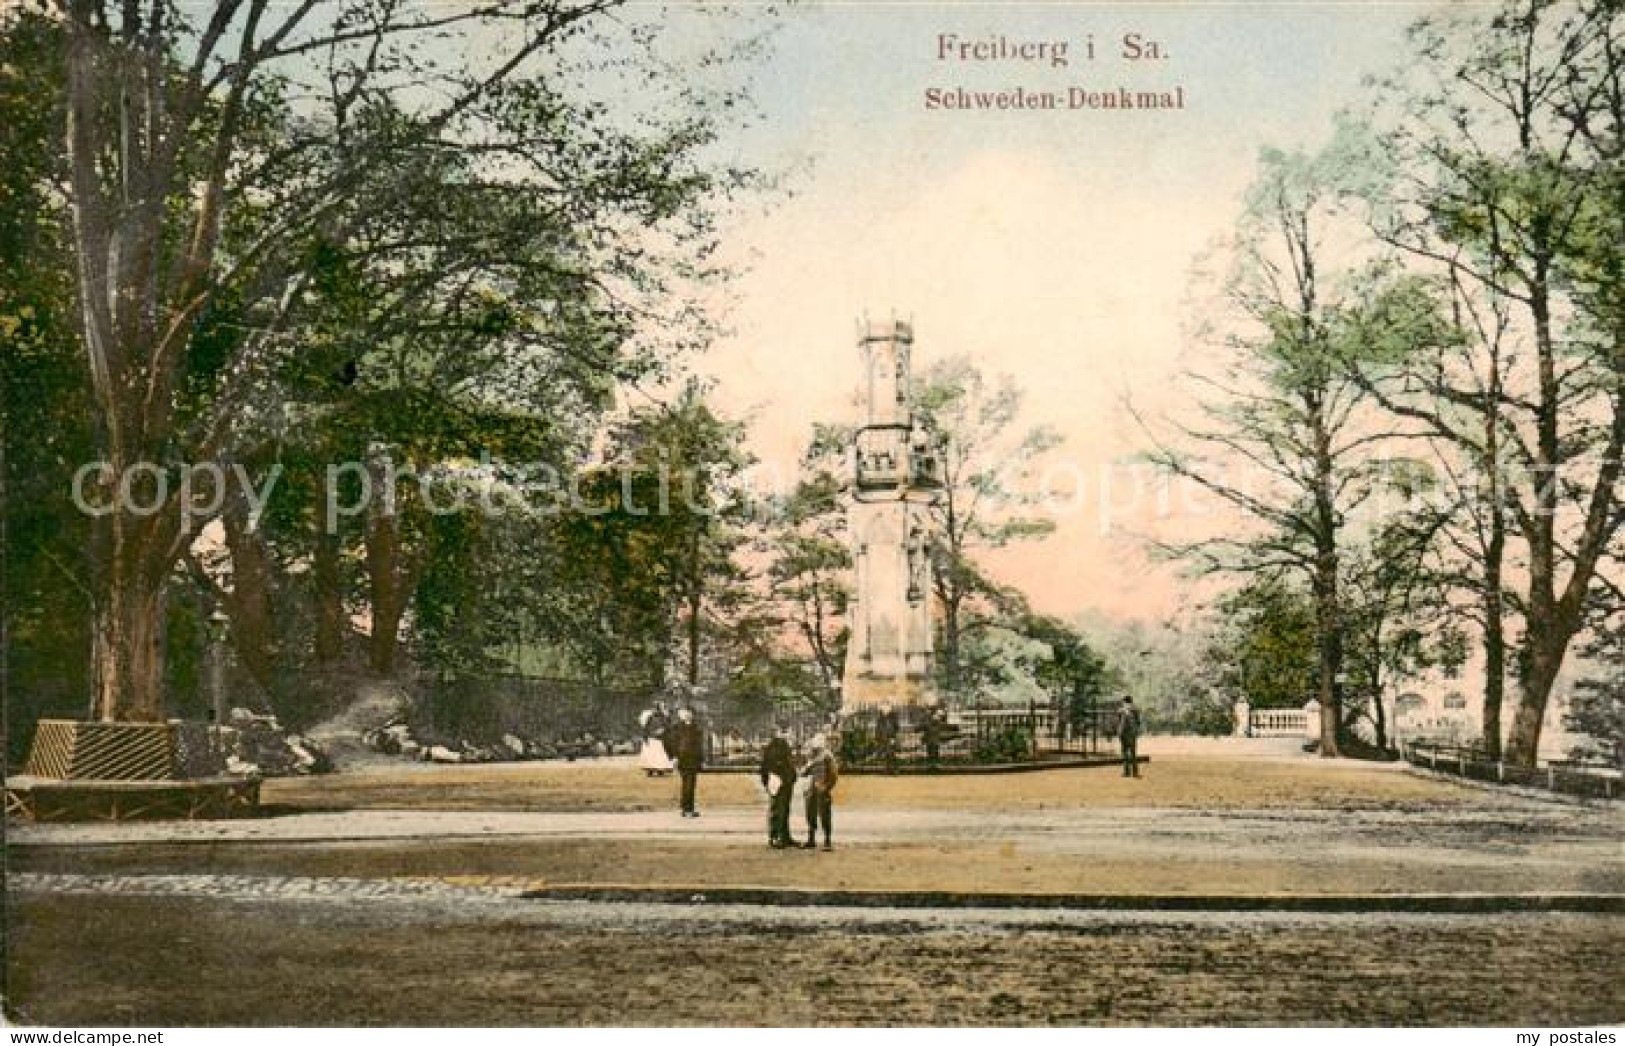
1074 675
1597 706
1469 343
46 591
1181 675
986 502
1505 137
1401 619
647 561
214 156
1268 636
1280 438
810 564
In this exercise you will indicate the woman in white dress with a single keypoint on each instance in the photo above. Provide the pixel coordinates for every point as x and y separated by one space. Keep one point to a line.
654 759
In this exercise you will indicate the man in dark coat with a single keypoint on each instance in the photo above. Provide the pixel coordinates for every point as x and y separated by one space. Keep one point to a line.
935 726
778 774
886 730
686 743
1128 737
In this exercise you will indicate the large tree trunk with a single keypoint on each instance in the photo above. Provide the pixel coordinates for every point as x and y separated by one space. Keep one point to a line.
250 602
1380 720
128 643
1495 651
1330 646
1494 595
385 567
327 580
388 597
1328 609
1545 660
1541 643
696 604
1329 651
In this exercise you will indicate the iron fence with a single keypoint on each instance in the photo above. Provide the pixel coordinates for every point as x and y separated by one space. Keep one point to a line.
578 717
1591 781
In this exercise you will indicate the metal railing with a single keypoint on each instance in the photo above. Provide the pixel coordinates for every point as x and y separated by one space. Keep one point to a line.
1589 781
573 718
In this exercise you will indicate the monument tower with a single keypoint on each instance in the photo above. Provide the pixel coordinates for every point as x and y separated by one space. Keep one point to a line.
898 476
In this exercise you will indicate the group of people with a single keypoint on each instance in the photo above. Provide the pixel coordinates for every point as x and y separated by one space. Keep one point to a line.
680 743
818 773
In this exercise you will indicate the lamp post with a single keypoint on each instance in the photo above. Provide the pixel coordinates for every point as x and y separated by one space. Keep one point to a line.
218 622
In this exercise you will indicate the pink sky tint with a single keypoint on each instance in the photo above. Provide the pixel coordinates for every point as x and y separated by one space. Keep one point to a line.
1057 247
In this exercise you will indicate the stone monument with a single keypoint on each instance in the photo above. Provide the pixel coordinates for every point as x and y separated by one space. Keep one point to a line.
897 467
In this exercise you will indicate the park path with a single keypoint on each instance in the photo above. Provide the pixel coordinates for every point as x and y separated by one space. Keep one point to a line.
420 915
1547 845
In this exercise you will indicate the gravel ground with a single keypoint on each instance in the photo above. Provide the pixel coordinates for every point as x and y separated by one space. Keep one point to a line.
1503 846
1171 781
243 953
392 898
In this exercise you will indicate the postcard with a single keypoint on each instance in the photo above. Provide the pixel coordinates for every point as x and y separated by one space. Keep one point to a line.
917 514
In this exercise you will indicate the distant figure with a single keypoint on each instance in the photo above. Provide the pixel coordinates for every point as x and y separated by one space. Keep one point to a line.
935 726
654 758
686 743
821 773
886 736
1128 737
778 774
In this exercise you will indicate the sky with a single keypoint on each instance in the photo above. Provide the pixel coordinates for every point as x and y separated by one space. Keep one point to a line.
1056 246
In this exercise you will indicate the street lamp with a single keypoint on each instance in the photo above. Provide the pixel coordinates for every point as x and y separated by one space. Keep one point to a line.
218 621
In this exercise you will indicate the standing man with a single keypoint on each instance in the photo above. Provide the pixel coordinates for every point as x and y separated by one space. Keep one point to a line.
779 778
821 774
686 744
886 736
1128 737
932 733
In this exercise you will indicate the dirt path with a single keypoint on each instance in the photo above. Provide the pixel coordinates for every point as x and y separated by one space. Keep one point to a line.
393 897
1516 848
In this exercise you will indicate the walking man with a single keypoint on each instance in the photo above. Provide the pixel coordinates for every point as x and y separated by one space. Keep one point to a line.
686 743
821 774
778 774
1128 737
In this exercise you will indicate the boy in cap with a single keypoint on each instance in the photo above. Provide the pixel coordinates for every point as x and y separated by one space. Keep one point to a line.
821 773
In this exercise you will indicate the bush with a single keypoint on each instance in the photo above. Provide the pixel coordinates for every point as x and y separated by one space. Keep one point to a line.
1013 744
1203 716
